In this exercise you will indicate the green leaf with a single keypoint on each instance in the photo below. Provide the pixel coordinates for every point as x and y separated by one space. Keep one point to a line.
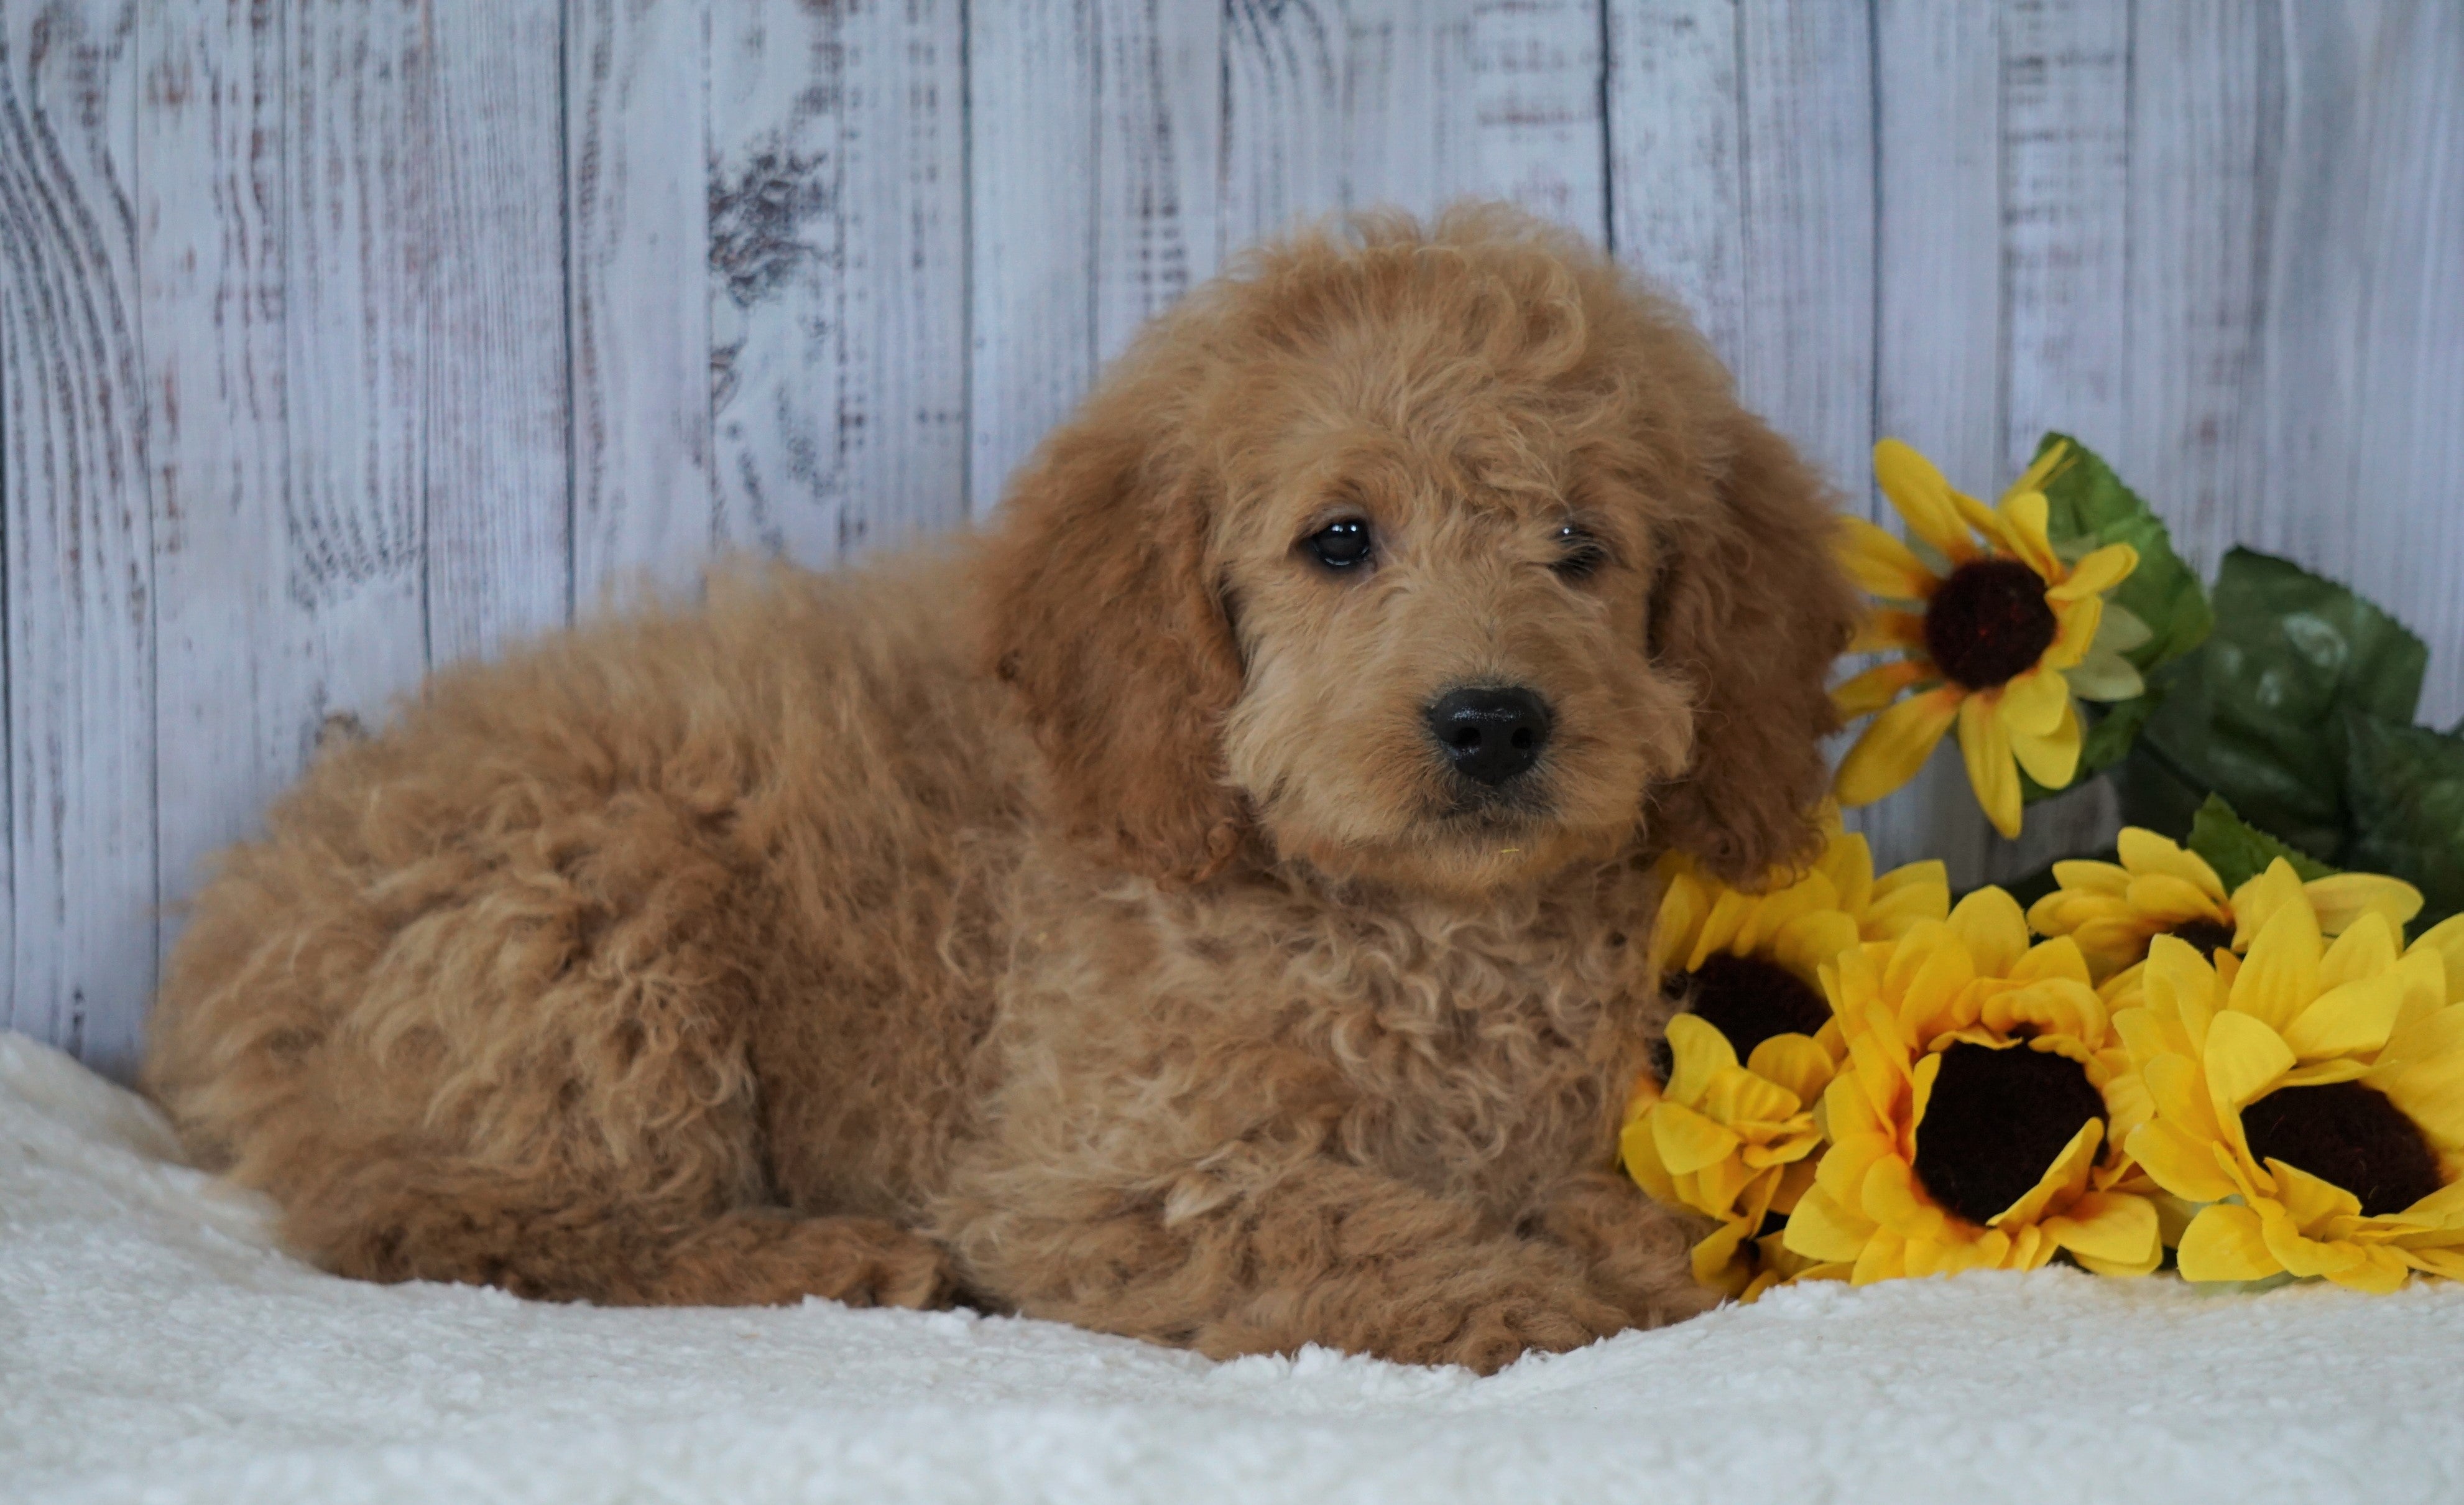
2087 506
2256 714
2406 785
2240 852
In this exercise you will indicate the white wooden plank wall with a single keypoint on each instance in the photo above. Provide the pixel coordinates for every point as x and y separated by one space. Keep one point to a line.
341 338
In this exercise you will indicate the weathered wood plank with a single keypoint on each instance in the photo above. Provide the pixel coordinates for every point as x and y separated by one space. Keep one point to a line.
1676 158
1297 76
1806 359
2065 146
2396 529
1158 149
637 172
79 549
837 212
238 688
1538 69
2207 127
355 343
490 258
1031 132
1337 107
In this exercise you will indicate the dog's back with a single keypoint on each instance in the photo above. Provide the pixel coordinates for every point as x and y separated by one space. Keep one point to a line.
552 960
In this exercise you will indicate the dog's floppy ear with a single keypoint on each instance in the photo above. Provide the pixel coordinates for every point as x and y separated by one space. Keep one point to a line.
1102 616
1751 607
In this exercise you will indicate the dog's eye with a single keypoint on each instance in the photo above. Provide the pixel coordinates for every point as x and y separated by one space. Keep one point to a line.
1340 546
1579 552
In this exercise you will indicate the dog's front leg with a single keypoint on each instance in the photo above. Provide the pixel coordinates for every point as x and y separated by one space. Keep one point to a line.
1231 1261
1634 1250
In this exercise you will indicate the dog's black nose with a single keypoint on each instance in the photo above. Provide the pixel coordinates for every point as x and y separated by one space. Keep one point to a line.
1490 734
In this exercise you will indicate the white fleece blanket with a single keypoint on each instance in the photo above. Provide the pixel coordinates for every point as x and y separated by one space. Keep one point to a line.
155 1346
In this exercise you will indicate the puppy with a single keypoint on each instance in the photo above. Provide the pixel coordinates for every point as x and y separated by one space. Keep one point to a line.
1210 907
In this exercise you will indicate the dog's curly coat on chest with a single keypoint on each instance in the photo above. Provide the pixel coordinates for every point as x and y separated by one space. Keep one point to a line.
1208 907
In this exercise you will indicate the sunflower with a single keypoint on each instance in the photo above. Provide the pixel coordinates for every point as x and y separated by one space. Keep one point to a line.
1999 638
1747 1056
2309 1098
2158 889
1968 1126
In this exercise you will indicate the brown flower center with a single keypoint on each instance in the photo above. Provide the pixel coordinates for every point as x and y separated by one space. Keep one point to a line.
1747 998
2349 1135
2205 936
1995 1123
1989 622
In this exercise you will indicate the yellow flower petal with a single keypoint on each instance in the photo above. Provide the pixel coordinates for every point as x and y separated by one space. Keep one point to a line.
1985 745
1698 1052
2110 1233
1739 1099
1884 1257
2311 1202
2180 1163
2041 469
2279 973
1880 564
2165 900
2243 1059
2341 899
2445 941
1638 1146
1795 1063
2052 759
2348 1020
2034 702
2076 624
1810 943
2225 1242
1921 495
1821 1229
2143 852
2098 573
1687 1141
1890 1197
2023 514
1884 629
1896 744
1876 688
1988 924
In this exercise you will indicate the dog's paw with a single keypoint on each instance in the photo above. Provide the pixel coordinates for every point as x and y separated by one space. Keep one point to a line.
772 1259
863 1262
1551 1320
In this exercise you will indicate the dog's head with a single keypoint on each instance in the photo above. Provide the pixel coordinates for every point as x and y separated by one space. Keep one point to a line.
1444 559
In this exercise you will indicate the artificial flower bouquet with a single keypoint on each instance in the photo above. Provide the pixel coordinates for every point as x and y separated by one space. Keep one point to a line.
2207 1048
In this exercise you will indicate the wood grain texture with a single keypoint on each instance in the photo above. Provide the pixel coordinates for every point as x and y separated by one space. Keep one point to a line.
1031 133
487 110
2065 208
354 344
1413 104
837 294
2403 540
1676 157
637 175
79 545
2207 132
239 688
1806 353
1158 149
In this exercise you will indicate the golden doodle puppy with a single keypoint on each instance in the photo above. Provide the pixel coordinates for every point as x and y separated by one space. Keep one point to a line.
1225 929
